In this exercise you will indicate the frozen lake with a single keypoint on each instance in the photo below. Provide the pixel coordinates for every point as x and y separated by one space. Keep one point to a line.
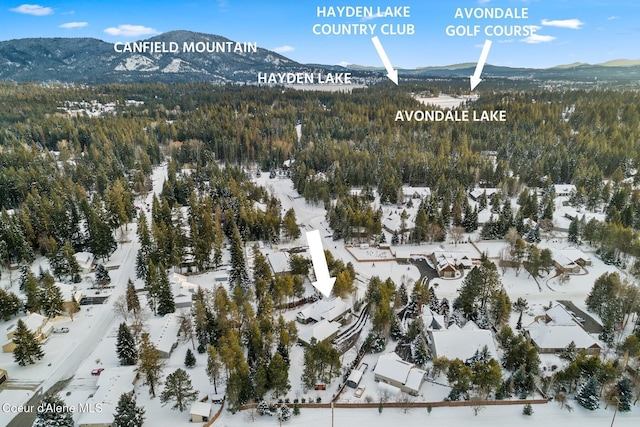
445 101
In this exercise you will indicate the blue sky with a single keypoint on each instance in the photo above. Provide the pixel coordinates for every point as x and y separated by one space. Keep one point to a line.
567 31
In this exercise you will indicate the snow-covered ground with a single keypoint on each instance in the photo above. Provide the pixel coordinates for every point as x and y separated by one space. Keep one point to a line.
83 349
548 415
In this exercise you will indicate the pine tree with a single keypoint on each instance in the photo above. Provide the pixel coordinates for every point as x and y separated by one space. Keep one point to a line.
133 303
278 373
284 413
52 412
32 292
189 359
166 303
10 304
51 298
238 275
126 346
291 229
179 389
214 367
527 409
150 365
102 276
623 389
28 349
420 352
127 413
588 396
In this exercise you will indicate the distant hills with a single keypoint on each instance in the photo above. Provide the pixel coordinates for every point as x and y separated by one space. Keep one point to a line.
93 61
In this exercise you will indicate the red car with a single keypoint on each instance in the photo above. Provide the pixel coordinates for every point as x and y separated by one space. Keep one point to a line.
97 372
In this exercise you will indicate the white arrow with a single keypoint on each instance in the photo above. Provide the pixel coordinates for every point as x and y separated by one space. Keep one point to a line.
324 283
391 73
475 79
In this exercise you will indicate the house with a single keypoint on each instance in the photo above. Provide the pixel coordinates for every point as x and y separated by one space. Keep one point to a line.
200 412
279 262
164 334
432 320
577 256
477 193
85 261
333 310
556 329
570 260
112 383
3 376
323 330
461 343
419 193
36 323
182 291
564 190
71 296
392 370
447 264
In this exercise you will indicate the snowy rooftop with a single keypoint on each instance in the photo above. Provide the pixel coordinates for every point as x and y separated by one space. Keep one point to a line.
201 408
320 331
560 316
33 321
550 336
477 192
279 262
391 366
416 192
112 383
329 309
564 189
164 332
463 343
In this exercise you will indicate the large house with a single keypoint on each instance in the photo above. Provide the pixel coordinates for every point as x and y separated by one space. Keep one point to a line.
333 310
556 329
39 325
447 264
570 260
392 370
112 383
461 343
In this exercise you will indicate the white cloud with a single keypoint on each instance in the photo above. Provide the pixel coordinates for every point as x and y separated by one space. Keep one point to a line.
32 9
573 24
371 17
538 38
284 49
611 18
74 25
127 30
483 1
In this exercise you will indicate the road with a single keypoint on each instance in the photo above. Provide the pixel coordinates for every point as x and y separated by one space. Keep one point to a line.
104 322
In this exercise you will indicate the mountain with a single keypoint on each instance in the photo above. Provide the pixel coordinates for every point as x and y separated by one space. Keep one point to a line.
92 61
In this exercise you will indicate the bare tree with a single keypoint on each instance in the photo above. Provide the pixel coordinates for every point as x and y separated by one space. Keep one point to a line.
139 323
186 328
476 405
120 307
251 411
405 402
456 234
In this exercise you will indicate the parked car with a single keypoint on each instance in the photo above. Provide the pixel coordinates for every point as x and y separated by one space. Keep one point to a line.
61 331
97 372
359 391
